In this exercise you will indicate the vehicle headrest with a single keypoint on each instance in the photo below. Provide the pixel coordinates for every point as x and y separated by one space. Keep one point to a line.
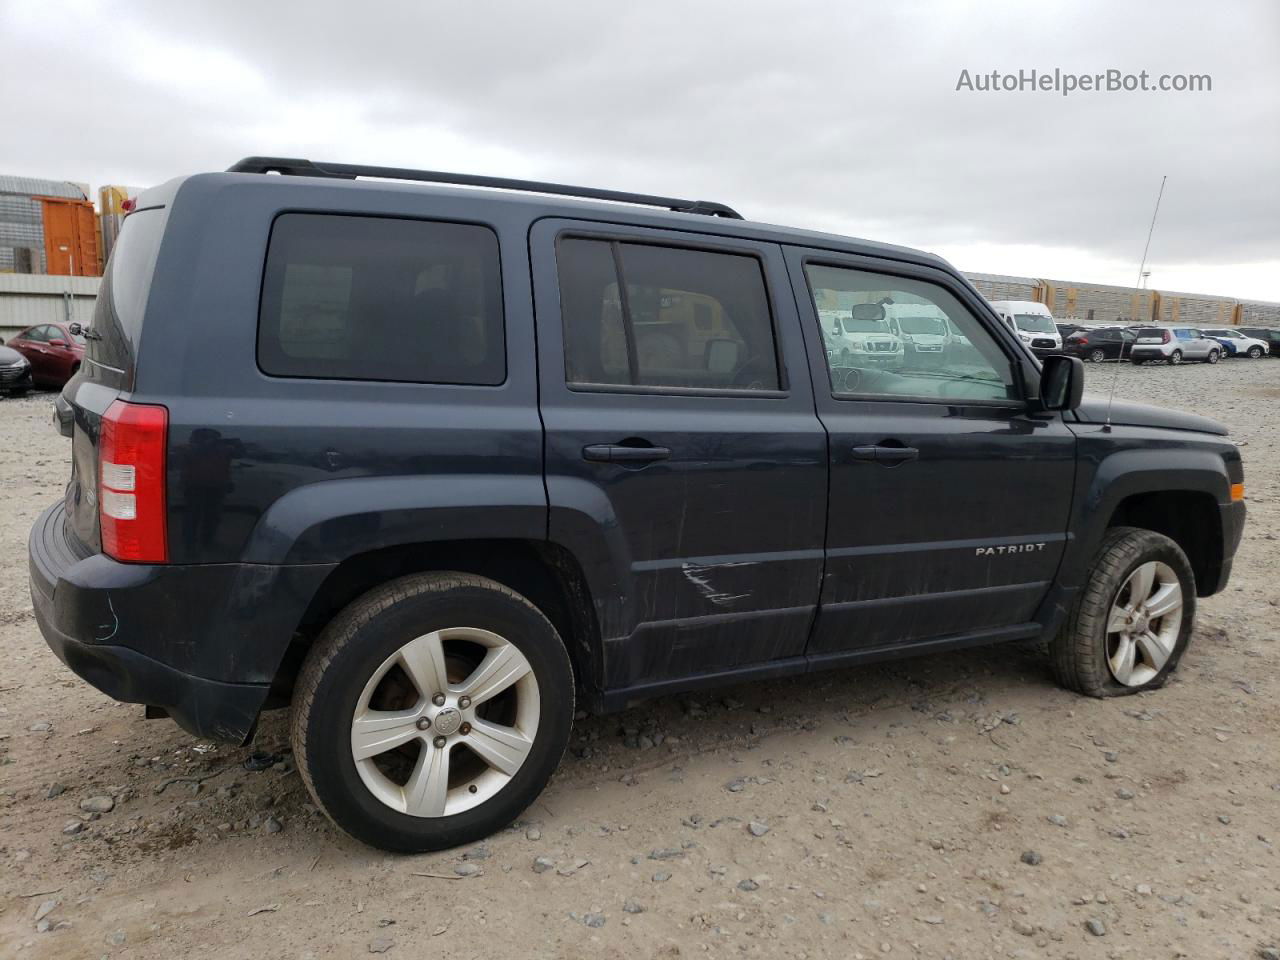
868 311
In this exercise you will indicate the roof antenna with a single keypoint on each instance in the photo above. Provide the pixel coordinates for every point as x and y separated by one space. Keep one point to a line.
1141 269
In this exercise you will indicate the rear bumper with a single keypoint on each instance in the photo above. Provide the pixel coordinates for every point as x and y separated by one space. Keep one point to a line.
1148 353
203 642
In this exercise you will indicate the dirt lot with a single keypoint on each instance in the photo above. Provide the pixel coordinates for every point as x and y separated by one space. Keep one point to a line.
900 800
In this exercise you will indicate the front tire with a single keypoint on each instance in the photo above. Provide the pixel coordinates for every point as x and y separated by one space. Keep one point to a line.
1255 353
1212 358
1131 622
432 711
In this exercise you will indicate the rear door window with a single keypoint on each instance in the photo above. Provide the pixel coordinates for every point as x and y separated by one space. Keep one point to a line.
377 298
657 316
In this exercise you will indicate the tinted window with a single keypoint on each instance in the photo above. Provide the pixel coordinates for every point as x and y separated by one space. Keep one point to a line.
677 317
373 298
914 340
117 316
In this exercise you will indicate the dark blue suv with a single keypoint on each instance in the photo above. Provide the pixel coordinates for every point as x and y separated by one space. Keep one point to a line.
425 463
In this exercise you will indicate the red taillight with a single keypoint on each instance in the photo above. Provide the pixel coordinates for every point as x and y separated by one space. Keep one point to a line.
131 503
1083 340
127 204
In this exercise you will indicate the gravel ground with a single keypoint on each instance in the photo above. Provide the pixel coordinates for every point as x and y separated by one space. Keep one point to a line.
948 806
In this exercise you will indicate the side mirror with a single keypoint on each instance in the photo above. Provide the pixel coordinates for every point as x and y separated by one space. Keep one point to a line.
1061 383
722 356
75 329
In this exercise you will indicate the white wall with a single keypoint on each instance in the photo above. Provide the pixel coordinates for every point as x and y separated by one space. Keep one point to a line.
30 298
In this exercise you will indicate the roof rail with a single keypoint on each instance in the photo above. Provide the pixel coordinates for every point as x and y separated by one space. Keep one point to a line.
294 167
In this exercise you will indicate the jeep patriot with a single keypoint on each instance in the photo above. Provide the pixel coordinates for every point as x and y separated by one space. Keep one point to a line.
425 461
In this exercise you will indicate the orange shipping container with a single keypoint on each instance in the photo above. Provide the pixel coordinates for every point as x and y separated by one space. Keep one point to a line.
70 237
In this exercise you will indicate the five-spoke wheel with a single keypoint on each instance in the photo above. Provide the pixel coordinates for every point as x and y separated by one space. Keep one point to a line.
1145 620
431 711
442 718
1131 621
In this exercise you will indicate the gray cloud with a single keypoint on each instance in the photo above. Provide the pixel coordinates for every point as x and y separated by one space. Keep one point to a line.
829 114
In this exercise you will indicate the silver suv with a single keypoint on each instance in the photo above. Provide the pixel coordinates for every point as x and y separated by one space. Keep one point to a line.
1173 345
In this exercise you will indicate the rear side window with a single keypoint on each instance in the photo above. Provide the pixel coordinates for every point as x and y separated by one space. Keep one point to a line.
376 298
126 284
655 316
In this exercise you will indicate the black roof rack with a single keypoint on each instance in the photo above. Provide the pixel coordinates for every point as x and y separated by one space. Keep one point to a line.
290 166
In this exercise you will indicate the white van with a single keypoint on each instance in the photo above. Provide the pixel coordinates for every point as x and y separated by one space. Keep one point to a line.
925 331
860 337
1033 323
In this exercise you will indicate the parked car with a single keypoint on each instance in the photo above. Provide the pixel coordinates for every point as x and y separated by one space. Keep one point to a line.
860 336
1067 328
923 329
1230 348
1240 343
15 372
55 353
1034 324
1174 345
1099 343
426 488
1271 335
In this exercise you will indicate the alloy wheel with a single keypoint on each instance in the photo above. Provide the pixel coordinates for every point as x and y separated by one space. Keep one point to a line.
1144 622
445 722
1096 355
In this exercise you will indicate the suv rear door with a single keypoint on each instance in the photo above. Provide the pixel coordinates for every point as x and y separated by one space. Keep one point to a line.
949 498
109 361
685 466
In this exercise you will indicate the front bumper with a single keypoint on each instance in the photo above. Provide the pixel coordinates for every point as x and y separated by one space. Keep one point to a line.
10 382
1233 517
202 642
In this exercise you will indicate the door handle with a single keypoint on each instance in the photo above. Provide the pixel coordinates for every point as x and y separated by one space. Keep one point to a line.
882 453
622 453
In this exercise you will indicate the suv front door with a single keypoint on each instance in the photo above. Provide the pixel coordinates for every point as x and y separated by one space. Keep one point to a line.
685 466
949 497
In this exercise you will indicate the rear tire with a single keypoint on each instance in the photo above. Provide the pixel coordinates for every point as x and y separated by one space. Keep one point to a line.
1175 358
1113 643
388 678
1137 363
1097 355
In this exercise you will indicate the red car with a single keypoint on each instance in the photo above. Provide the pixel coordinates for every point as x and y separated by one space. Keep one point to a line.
55 353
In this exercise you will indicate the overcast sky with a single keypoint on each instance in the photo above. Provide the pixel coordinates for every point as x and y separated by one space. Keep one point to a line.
836 115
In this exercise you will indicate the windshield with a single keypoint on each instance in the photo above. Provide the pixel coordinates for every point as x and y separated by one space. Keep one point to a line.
852 325
918 325
1034 323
